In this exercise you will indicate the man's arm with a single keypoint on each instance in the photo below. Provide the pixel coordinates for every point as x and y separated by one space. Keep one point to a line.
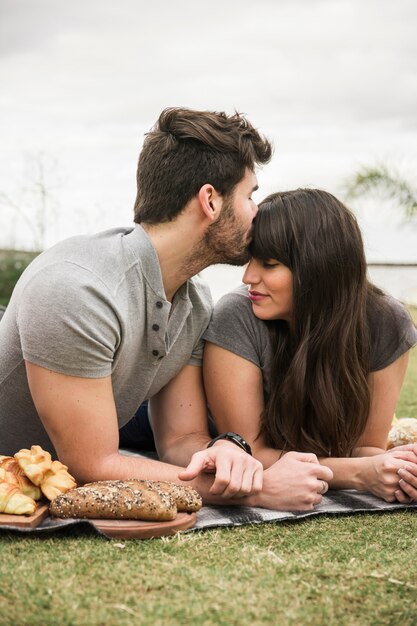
179 421
79 415
178 415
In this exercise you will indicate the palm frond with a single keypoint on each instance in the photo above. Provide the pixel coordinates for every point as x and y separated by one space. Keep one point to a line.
380 179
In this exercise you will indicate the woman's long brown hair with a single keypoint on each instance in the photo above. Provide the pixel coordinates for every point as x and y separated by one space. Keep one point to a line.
319 395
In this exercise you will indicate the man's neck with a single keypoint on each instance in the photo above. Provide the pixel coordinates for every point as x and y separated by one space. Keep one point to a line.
180 252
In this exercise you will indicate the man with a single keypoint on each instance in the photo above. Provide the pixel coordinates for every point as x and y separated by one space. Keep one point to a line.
97 324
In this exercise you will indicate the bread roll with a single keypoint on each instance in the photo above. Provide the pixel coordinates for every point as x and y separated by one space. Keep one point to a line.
187 499
403 431
115 499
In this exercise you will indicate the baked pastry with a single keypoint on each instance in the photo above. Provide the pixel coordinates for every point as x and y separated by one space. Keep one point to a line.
403 431
57 480
14 502
51 476
115 499
11 472
186 498
34 462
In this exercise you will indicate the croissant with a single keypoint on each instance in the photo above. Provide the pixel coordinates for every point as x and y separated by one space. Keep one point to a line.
34 463
11 472
57 480
14 502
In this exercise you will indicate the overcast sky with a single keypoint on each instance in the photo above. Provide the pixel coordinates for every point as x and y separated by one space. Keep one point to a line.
333 83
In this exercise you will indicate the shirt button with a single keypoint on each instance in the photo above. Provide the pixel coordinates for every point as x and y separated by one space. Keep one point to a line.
155 352
159 304
155 327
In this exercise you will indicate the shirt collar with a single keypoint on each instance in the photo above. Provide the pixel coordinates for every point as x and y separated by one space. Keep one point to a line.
142 250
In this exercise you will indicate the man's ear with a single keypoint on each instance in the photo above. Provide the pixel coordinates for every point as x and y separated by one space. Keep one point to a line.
211 202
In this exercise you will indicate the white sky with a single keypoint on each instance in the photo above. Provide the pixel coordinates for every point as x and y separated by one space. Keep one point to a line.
333 83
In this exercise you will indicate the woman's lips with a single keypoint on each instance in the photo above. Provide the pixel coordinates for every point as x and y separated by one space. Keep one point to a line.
256 296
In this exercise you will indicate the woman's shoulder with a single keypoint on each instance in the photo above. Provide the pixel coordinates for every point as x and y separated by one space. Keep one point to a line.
239 298
234 326
392 330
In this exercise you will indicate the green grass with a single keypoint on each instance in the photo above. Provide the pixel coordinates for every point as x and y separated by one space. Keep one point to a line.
323 571
343 571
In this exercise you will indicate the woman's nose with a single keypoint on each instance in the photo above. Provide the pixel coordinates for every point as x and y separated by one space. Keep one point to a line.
251 276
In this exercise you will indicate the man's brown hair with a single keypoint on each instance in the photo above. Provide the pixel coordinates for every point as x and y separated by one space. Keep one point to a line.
187 149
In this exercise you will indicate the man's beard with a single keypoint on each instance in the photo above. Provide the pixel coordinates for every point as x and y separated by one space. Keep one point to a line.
226 241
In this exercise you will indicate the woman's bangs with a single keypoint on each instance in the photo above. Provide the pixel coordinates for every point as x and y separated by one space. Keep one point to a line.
268 239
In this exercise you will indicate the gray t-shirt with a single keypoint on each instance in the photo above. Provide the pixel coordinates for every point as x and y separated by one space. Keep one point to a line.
234 327
95 306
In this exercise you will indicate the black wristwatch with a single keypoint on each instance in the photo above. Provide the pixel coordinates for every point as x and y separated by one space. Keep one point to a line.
234 438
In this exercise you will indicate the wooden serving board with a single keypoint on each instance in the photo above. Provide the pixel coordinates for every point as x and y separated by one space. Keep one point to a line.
25 521
136 529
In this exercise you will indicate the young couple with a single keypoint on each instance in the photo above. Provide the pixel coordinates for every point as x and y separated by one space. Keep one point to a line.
304 365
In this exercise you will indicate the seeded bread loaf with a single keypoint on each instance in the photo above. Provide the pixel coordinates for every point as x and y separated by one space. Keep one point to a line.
187 499
115 499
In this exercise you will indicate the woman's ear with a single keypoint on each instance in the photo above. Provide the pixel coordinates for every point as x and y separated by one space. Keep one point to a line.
210 201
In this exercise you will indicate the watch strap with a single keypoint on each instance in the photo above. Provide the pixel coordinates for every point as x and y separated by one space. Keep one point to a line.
234 438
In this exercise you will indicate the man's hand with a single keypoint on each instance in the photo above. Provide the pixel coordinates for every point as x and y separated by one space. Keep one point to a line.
237 474
296 482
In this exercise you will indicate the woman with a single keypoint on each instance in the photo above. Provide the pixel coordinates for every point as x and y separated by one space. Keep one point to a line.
310 356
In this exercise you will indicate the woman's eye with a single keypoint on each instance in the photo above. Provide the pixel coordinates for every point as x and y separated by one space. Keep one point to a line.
270 264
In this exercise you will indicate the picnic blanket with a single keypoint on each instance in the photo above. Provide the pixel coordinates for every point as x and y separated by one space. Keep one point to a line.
341 502
334 502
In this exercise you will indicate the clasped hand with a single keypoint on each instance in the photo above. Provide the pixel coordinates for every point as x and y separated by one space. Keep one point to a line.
237 474
393 475
296 482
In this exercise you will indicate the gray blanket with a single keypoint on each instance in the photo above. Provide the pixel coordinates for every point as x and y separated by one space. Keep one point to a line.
334 502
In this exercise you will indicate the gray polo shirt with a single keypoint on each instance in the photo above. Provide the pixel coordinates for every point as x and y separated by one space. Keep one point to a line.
95 306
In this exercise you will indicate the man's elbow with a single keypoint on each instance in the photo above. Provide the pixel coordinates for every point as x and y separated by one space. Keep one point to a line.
91 469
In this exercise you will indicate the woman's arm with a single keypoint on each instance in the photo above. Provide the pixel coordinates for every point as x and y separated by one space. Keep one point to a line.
372 468
385 386
235 397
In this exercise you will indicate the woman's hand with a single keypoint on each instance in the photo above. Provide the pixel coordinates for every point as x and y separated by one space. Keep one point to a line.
408 477
238 474
296 482
392 475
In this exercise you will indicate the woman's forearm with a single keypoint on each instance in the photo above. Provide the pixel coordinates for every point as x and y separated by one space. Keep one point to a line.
267 456
348 473
367 451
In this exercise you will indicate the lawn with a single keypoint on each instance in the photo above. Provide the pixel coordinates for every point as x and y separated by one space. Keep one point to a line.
347 570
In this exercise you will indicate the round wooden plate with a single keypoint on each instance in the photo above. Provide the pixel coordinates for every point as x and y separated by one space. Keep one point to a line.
135 529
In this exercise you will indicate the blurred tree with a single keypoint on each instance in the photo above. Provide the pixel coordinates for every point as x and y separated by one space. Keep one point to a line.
35 204
384 181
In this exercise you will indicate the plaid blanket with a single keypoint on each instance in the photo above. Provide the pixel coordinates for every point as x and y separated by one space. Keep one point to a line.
344 502
334 502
